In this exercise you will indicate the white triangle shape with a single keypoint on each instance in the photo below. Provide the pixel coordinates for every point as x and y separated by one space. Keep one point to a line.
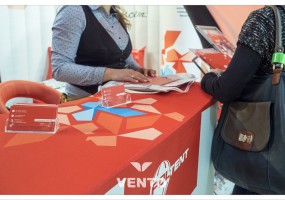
146 134
146 108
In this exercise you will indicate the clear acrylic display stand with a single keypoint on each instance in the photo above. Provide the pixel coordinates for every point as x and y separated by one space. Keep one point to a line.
48 127
32 118
114 96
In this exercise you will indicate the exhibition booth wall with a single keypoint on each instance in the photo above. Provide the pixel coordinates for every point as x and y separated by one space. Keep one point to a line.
163 33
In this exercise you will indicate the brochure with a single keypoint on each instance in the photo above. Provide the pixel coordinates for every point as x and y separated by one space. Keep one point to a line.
158 80
158 84
216 38
207 59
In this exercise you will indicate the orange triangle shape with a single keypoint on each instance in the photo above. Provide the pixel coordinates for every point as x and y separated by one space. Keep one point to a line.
180 68
171 56
103 140
170 38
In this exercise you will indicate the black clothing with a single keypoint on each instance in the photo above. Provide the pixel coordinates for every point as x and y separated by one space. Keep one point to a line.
240 71
105 53
241 191
253 56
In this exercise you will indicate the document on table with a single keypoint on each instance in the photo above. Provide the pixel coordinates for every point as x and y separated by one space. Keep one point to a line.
158 84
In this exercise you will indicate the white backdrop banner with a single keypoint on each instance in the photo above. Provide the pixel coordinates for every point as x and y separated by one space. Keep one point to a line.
24 38
177 35
168 34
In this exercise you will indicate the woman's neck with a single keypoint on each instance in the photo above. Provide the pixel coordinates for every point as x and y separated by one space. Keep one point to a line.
107 8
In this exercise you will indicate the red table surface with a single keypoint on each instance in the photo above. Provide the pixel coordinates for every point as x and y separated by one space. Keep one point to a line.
67 163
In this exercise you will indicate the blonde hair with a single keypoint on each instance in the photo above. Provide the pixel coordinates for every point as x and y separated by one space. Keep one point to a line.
121 13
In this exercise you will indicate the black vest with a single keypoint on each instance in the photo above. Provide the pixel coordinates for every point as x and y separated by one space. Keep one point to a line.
97 48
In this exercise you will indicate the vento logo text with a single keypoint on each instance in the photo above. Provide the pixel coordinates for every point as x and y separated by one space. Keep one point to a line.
159 183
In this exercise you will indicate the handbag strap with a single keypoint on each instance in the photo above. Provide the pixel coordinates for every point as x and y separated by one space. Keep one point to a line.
278 57
278 29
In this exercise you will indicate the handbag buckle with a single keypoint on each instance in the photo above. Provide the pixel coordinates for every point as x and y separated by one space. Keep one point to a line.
245 138
278 61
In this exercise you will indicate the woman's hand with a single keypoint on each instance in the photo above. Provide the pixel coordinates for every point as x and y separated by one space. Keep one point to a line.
128 75
217 71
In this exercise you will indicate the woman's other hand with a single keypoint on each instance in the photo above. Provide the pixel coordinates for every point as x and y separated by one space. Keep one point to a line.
217 71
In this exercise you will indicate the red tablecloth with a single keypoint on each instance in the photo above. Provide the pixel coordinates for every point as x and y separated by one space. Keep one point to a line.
108 155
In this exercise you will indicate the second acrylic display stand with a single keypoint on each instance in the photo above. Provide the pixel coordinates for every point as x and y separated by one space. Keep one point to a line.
114 96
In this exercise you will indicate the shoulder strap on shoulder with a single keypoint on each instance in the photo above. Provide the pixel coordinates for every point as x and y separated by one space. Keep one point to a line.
278 28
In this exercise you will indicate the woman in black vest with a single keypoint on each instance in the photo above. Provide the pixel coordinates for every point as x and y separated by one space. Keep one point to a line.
90 46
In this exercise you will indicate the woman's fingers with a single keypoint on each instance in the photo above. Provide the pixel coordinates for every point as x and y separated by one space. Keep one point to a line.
138 77
131 75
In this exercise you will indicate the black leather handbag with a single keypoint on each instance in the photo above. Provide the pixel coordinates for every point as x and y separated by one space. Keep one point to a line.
248 146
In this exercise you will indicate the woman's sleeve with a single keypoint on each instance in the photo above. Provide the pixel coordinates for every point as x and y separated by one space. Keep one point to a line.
250 54
68 26
240 71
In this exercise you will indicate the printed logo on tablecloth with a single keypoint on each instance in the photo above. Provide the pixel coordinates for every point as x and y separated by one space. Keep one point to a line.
163 175
141 167
159 182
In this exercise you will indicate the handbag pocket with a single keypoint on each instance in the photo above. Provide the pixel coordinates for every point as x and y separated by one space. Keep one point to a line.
247 125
